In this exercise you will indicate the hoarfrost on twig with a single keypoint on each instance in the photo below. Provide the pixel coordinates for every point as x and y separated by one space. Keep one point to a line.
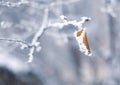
82 39
35 44
38 35
22 43
58 25
66 22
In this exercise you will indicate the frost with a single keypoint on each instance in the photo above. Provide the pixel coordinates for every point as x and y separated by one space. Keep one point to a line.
36 37
31 55
22 43
64 18
35 44
23 46
66 22
38 49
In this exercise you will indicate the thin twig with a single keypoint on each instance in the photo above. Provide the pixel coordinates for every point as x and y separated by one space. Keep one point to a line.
22 43
38 35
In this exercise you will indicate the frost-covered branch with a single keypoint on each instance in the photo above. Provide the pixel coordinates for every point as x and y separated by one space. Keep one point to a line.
36 37
45 25
35 44
22 43
66 22
80 33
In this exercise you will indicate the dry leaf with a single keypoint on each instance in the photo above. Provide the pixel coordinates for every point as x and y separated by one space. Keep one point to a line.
82 40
